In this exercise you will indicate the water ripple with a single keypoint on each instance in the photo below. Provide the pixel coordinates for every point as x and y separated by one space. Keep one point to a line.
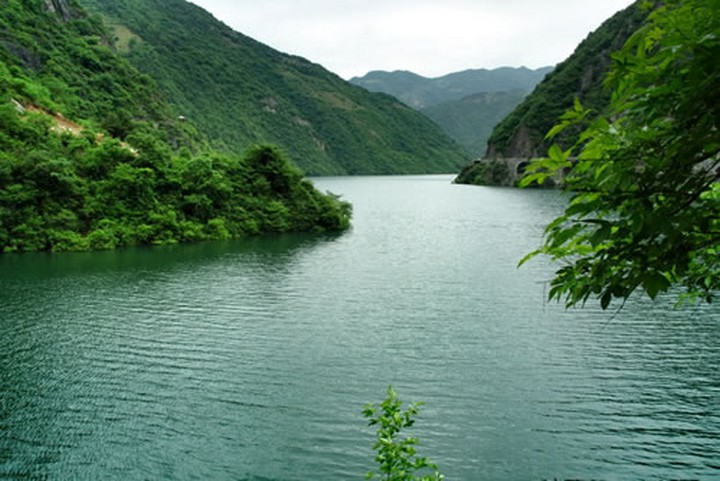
252 360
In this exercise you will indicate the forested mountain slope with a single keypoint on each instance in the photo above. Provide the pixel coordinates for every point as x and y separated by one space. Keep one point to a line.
239 91
470 120
92 157
581 76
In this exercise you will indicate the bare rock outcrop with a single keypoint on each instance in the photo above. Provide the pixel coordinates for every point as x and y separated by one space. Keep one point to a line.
59 7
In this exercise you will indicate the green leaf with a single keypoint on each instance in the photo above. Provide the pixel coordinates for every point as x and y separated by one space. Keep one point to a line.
654 283
605 300
557 129
529 256
645 177
557 155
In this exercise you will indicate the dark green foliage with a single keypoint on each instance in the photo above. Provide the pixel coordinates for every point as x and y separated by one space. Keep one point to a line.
240 92
67 66
71 193
645 213
521 134
396 456
66 187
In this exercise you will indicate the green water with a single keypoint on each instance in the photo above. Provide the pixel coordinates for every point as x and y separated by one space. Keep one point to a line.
252 360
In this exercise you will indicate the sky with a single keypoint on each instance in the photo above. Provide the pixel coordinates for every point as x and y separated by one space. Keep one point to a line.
429 37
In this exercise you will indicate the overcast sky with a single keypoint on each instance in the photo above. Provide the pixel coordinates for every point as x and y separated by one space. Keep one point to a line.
428 37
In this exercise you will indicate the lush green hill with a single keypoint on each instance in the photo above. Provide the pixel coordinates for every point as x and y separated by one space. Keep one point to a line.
471 119
64 66
91 157
422 92
521 135
581 76
238 91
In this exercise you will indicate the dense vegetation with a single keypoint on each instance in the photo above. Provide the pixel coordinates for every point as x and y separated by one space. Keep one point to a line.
471 119
65 67
239 92
127 172
521 134
493 172
645 213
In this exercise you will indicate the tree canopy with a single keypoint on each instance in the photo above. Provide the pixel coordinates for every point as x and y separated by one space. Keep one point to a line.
644 175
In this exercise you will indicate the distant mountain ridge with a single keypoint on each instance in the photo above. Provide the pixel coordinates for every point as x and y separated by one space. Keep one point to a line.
466 105
421 92
239 92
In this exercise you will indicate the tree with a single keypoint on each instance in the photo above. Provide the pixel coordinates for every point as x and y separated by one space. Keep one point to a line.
645 207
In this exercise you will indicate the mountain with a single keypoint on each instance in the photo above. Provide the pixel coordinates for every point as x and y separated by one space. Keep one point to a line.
470 120
521 134
239 92
466 105
421 92
93 157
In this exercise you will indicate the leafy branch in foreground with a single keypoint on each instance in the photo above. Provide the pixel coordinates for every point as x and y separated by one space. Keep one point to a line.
645 208
397 457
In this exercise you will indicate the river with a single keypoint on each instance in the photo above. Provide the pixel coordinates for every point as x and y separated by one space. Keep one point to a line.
252 360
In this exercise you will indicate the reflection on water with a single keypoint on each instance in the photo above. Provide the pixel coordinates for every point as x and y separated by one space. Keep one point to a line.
252 359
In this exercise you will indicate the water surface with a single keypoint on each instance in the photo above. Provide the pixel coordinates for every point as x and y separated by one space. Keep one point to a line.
251 360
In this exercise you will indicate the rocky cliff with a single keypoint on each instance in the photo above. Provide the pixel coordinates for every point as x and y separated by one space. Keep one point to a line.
59 7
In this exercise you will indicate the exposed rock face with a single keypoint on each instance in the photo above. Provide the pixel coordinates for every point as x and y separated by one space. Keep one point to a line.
521 145
59 7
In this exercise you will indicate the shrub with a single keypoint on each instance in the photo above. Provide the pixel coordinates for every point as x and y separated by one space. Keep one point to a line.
396 456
